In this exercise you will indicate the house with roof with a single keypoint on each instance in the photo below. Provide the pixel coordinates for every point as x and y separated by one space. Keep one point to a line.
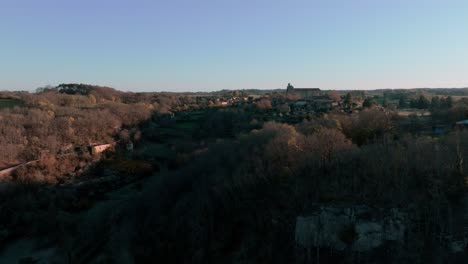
462 124
99 148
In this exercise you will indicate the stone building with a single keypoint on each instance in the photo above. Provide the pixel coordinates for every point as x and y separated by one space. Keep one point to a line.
303 92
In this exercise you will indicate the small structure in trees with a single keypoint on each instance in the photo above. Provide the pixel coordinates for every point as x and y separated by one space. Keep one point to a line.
96 149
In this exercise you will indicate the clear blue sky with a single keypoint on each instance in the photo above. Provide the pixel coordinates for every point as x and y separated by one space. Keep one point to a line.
181 45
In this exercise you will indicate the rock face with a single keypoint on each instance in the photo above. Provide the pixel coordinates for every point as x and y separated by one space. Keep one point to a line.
358 228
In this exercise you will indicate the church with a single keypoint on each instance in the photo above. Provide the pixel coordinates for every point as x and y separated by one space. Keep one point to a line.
303 92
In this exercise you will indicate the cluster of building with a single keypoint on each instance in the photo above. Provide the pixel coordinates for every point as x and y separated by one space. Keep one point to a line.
306 100
220 101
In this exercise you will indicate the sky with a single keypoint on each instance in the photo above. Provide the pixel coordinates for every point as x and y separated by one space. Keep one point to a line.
205 45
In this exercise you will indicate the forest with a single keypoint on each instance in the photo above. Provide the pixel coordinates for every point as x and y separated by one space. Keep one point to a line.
233 176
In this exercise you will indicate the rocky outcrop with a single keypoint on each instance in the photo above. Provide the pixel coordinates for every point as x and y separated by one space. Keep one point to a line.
358 228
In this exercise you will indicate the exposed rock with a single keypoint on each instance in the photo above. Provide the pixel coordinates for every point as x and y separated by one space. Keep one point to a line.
359 228
457 246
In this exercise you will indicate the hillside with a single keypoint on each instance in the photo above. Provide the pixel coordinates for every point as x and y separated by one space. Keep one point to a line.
233 177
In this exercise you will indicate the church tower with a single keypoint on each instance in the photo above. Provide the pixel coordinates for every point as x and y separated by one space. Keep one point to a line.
290 88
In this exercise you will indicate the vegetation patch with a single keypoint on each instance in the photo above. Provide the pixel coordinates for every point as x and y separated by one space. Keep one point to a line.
5 103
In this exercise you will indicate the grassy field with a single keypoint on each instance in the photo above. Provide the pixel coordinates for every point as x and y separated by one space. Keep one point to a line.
161 141
418 112
9 102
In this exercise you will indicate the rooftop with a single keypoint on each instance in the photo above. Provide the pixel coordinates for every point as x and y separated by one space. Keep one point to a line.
462 122
312 89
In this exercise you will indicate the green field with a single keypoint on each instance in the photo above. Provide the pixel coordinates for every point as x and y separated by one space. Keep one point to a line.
9 102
